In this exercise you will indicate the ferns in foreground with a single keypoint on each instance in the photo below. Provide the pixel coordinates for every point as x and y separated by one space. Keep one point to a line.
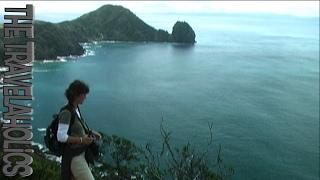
124 160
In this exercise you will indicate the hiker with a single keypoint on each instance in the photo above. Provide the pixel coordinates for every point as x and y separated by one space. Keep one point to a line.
74 132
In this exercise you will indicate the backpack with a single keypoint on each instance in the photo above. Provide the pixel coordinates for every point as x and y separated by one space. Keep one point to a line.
51 141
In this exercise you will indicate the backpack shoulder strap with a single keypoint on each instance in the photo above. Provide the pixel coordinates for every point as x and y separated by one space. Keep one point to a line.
83 123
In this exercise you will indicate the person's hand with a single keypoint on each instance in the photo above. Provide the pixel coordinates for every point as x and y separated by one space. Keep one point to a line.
87 140
96 135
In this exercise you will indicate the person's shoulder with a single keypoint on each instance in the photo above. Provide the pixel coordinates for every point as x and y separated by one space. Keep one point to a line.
65 116
65 112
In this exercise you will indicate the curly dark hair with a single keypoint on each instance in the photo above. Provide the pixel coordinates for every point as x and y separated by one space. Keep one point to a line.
76 88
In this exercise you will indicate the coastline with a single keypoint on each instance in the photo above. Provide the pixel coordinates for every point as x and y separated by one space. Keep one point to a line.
88 52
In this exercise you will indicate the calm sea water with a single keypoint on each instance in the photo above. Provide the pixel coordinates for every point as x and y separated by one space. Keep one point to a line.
255 77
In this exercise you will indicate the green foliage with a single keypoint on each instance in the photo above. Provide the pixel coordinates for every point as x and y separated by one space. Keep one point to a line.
106 23
183 33
60 42
183 163
124 160
42 169
162 35
114 23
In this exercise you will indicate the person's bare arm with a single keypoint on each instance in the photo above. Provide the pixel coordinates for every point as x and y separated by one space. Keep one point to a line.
80 140
62 134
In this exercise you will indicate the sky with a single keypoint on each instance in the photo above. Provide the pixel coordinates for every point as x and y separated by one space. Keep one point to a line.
67 10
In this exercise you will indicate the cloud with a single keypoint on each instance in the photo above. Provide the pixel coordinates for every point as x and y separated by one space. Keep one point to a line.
296 8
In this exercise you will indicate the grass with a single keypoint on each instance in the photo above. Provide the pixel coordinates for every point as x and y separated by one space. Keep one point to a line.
42 169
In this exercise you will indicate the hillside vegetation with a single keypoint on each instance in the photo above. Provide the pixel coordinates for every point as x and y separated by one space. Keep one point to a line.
108 22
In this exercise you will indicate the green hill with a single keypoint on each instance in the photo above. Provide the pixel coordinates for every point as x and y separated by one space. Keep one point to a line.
108 22
112 23
183 33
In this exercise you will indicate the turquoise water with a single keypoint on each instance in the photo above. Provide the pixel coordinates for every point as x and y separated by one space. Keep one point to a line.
255 77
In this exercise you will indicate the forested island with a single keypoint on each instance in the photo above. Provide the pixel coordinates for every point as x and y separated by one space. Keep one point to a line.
107 23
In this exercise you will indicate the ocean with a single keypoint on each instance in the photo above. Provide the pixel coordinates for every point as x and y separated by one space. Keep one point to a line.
255 77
